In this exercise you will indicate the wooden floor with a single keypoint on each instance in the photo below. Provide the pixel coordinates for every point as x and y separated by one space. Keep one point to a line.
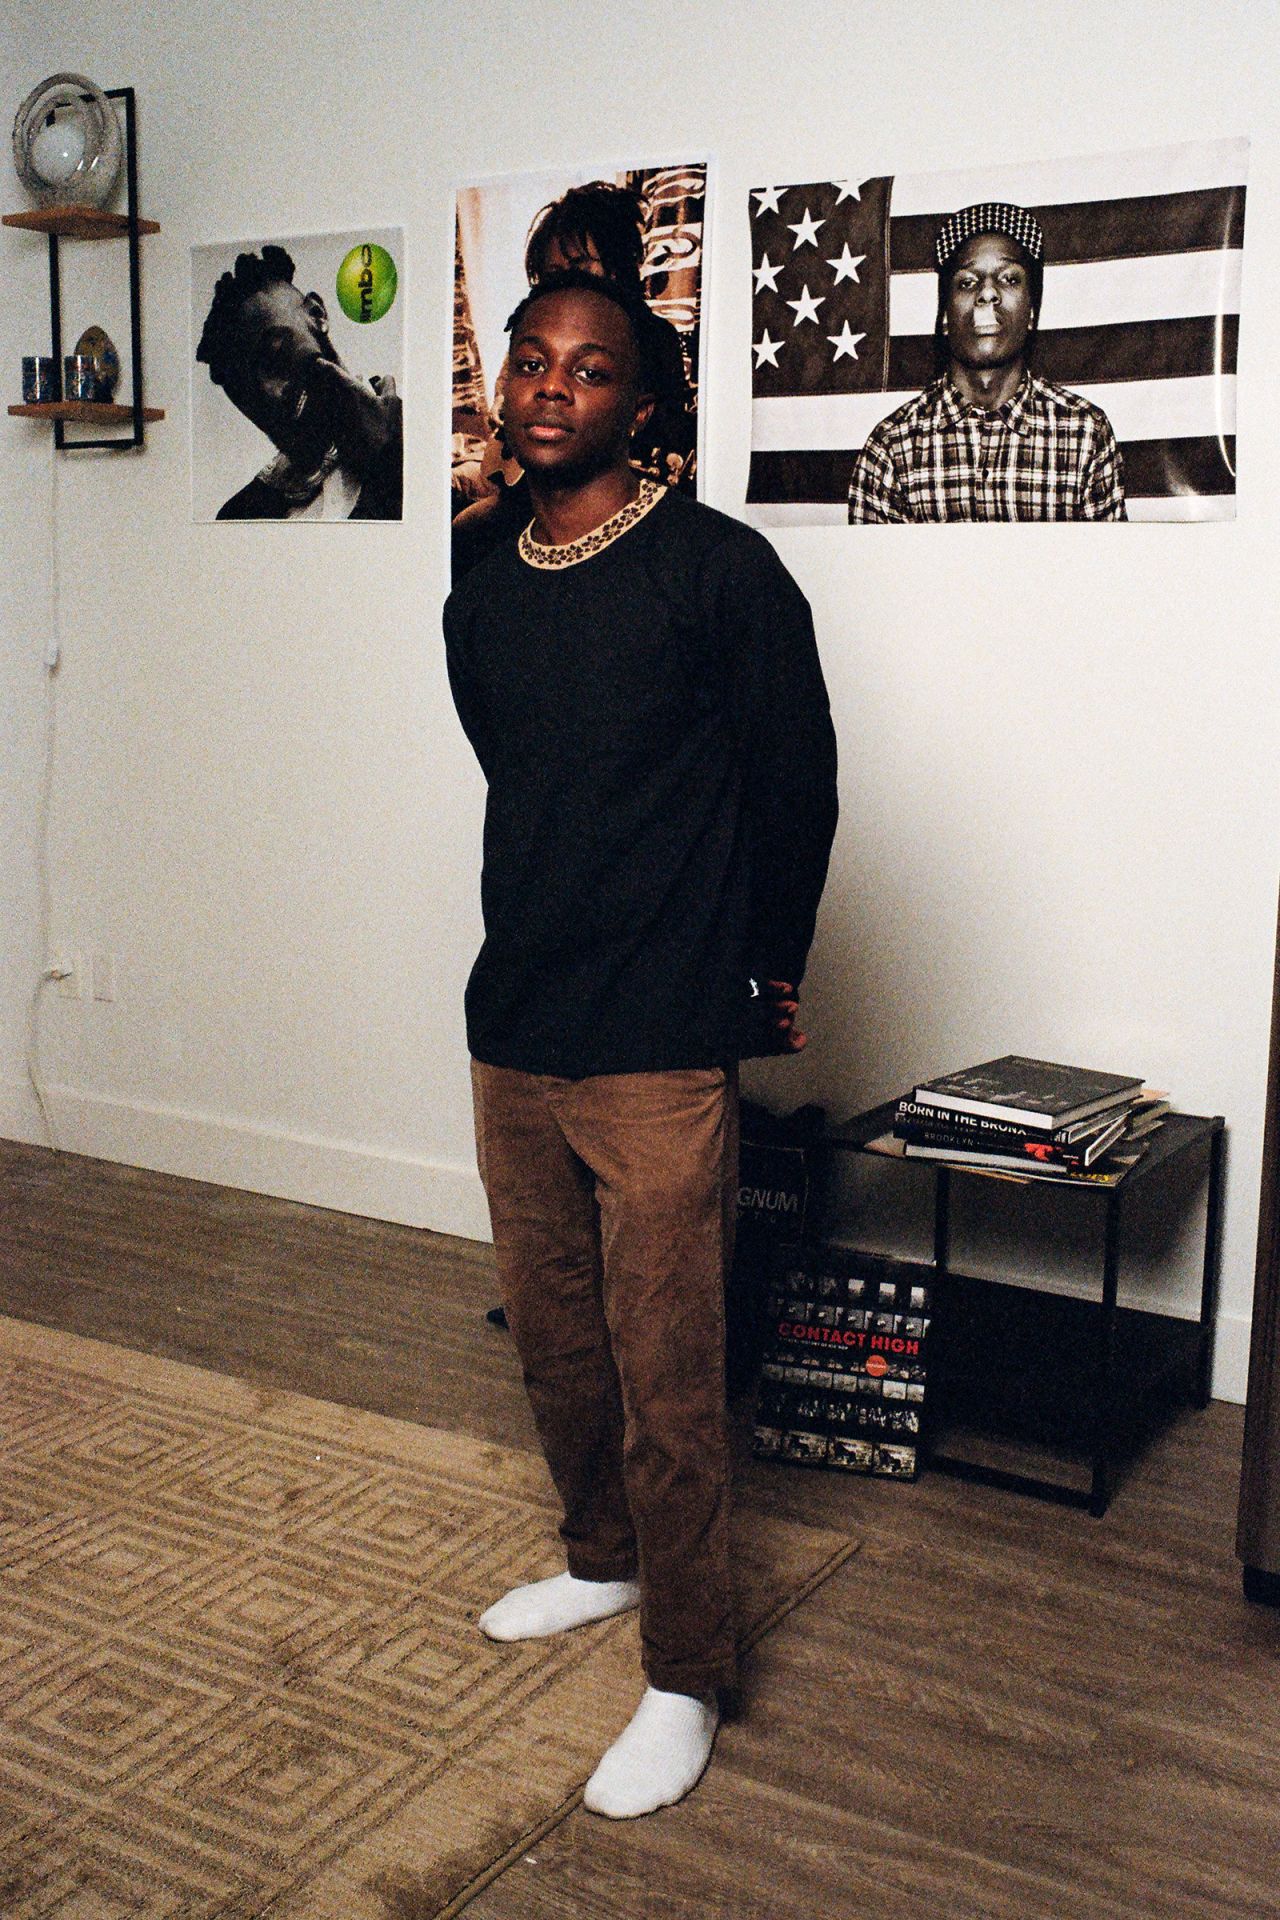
997 1710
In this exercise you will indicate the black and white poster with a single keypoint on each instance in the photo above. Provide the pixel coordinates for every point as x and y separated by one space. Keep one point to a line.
297 377
1052 341
639 226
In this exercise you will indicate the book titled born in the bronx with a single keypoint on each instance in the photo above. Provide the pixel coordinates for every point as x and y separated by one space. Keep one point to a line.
932 1134
1034 1093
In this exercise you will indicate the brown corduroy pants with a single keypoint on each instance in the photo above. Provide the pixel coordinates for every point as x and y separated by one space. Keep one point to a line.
611 1200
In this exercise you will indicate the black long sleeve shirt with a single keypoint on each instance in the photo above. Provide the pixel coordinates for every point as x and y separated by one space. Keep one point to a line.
654 728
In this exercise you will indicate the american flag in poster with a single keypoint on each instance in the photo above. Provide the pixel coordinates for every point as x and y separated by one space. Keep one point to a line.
1140 315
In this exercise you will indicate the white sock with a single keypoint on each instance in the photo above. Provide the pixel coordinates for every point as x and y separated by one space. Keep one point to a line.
554 1605
658 1759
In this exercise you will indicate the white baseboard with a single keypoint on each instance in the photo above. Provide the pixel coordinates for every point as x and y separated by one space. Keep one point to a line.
375 1182
20 1114
1231 1356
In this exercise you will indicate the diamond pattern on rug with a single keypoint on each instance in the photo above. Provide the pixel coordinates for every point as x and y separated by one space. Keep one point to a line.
233 1630
239 1646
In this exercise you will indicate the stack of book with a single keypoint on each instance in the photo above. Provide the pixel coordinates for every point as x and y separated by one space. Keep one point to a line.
843 1380
1031 1117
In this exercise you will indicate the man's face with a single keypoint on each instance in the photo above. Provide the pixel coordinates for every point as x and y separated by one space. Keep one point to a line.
988 315
572 399
278 378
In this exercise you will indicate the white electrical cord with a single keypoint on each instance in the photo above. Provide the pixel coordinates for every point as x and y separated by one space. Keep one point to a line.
52 653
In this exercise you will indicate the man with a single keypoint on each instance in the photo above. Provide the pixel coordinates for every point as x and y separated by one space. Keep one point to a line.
639 679
338 439
598 228
989 439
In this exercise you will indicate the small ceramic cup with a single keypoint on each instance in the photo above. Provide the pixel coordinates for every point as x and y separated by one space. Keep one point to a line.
79 377
39 379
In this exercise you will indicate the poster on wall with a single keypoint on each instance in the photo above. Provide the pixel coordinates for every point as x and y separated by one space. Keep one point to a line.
641 226
1052 341
297 375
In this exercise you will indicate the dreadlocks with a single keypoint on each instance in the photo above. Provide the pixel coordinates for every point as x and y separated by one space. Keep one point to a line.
252 272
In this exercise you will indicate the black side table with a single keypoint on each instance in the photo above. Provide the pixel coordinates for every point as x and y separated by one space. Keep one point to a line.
1019 1375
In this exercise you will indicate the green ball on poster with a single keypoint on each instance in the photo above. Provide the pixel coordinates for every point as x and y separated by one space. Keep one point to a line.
367 282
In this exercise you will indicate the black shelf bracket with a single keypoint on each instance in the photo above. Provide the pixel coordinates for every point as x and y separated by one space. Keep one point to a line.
117 443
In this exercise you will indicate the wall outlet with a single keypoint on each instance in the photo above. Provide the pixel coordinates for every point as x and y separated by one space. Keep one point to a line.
104 976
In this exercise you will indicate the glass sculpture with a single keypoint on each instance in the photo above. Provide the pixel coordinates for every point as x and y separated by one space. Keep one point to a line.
66 143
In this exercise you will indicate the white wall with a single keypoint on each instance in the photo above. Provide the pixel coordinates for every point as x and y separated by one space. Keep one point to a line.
1060 831
25 482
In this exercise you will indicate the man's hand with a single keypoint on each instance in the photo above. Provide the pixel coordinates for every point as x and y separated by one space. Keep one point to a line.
773 1007
358 419
783 1005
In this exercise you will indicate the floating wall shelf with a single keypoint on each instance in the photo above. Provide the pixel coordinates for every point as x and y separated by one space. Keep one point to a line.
77 223
88 223
94 413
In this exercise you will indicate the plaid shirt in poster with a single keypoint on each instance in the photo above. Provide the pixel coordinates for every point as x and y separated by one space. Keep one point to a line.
1046 454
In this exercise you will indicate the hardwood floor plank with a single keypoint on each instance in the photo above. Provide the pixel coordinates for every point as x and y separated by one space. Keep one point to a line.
357 1311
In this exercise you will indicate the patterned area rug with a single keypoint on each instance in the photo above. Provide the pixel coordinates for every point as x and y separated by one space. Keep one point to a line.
239 1671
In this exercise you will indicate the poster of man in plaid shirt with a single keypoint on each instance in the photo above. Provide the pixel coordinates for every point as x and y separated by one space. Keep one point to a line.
1053 339
988 439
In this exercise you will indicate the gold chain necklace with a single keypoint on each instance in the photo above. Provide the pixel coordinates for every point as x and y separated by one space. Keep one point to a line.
573 551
